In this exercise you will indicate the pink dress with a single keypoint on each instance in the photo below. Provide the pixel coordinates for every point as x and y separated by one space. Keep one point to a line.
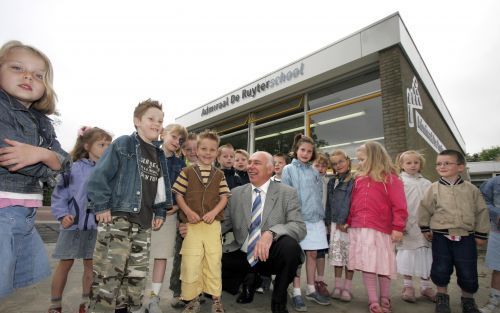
377 208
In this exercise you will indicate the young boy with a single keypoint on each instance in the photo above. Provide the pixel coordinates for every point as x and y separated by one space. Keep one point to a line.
321 164
163 240
241 164
453 215
280 160
189 149
225 157
202 193
129 191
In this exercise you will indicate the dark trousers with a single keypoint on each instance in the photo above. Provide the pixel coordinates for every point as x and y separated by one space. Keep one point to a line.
175 276
284 259
461 254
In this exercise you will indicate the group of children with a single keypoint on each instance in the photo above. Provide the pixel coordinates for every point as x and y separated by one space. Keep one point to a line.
380 219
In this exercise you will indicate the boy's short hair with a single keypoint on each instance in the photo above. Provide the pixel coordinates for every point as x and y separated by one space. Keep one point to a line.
191 136
208 134
226 146
322 158
284 156
457 154
242 151
177 128
143 106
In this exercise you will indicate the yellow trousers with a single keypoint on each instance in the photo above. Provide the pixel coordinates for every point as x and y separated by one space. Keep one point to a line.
201 260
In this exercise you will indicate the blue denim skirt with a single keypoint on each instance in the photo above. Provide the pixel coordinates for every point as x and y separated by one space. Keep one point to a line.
23 259
75 244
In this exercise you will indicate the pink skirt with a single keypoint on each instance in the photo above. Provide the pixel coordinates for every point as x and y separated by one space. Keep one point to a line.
371 251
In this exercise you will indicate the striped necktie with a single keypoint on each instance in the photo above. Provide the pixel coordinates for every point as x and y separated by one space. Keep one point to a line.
254 231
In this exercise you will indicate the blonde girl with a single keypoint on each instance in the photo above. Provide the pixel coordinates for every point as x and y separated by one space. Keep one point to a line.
414 254
377 218
301 175
29 154
338 204
77 235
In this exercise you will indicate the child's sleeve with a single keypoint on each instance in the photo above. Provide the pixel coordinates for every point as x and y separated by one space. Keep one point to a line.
426 209
482 226
223 188
329 201
398 202
181 183
488 191
101 181
285 176
61 196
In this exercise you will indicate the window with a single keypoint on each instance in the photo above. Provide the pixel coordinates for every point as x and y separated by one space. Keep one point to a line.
238 140
347 125
278 137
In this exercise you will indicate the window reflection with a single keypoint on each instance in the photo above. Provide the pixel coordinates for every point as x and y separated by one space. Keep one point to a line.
348 127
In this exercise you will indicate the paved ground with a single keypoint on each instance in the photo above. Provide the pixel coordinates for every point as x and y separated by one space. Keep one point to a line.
35 299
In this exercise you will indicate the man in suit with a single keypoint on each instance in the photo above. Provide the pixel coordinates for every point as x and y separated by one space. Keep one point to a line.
267 226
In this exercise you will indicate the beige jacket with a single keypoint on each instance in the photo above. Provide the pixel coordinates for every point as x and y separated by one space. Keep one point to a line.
458 210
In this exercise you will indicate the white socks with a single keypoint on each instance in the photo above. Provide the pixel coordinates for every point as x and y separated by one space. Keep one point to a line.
155 288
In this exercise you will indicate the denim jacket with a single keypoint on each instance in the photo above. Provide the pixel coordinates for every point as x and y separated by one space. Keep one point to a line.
491 193
34 128
115 184
338 200
309 186
70 196
175 166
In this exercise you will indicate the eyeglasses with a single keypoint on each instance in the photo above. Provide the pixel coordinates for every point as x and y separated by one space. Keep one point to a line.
339 163
445 164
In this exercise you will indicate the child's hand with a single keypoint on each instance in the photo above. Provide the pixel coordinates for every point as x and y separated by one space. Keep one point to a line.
19 155
428 235
396 236
480 242
343 228
104 217
67 221
156 223
192 217
172 210
209 217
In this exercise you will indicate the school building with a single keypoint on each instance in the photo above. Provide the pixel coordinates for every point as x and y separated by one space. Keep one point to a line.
371 85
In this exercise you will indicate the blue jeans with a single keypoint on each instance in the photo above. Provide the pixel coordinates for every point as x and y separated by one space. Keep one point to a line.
461 254
23 259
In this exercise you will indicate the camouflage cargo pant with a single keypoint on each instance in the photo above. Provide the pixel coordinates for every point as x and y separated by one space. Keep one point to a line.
121 264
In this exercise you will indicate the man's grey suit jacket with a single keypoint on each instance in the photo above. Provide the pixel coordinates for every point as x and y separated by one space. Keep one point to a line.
281 214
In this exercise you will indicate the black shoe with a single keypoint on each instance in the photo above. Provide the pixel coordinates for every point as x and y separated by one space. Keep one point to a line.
469 306
121 310
442 303
278 307
246 294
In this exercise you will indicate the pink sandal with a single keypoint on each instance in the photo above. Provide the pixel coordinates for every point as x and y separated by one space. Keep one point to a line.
386 305
374 307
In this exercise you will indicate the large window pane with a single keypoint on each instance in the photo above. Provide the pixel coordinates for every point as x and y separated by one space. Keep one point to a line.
348 127
347 90
238 141
278 137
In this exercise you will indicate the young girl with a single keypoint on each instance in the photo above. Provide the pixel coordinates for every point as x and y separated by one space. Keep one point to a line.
78 231
414 256
163 239
376 219
321 164
306 180
241 163
29 154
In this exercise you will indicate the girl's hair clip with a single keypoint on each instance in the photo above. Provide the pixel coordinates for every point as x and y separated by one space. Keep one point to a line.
83 130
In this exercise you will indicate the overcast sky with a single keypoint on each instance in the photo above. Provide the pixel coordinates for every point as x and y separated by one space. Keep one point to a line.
110 55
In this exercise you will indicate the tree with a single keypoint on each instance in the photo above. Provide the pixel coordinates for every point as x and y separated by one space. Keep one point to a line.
491 154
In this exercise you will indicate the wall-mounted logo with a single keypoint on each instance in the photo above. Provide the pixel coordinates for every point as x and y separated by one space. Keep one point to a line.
414 103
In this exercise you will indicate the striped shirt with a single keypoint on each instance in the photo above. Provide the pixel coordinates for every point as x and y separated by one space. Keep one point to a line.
181 184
